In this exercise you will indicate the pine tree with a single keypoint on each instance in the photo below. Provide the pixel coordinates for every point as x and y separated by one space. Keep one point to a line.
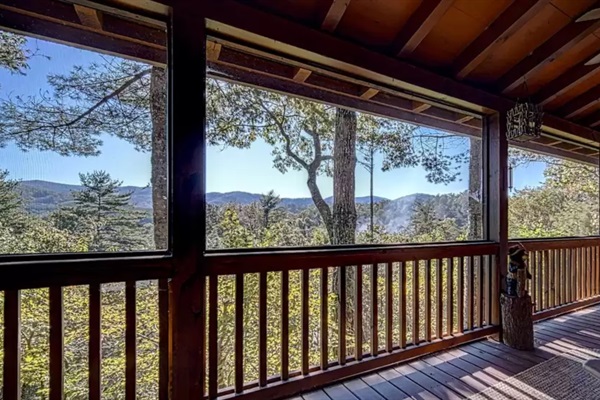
104 214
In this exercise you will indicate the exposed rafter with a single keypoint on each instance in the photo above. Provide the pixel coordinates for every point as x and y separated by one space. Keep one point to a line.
561 42
213 50
592 120
564 82
301 74
369 93
507 23
581 103
89 17
334 14
464 119
420 107
419 25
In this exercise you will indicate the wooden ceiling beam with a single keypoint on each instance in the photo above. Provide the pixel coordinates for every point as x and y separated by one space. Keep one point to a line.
213 50
334 15
294 39
591 120
581 103
419 25
568 80
510 21
89 17
550 50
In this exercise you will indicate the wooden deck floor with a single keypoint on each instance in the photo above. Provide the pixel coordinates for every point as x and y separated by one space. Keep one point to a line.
469 369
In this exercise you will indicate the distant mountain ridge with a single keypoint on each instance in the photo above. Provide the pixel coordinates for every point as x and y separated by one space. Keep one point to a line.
42 197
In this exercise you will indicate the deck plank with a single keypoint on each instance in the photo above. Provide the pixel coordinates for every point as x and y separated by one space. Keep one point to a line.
411 388
427 382
462 371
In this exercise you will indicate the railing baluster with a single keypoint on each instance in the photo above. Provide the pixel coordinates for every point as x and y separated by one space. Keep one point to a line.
428 301
552 283
342 317
480 291
539 283
402 303
559 278
239 333
262 329
324 319
593 267
163 339
130 341
95 344
547 274
533 271
389 315
566 264
202 332
460 295
358 321
285 323
589 272
415 301
439 308
573 274
304 274
470 294
563 276
597 281
449 296
213 357
56 343
557 273
12 345
374 311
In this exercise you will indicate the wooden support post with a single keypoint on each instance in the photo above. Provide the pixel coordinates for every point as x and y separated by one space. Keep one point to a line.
188 308
496 164
517 322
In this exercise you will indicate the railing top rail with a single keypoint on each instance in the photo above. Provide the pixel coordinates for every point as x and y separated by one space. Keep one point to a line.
556 243
269 261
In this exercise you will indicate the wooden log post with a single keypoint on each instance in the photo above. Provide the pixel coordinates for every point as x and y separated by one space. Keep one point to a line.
517 321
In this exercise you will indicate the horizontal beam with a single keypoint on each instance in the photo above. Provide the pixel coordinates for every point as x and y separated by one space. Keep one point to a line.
288 86
555 152
33 271
80 36
498 32
292 38
264 261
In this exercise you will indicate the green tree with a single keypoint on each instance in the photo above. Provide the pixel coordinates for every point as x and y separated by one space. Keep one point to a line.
269 202
13 54
104 215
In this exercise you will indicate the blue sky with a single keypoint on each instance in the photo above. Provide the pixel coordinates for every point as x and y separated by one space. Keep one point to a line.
228 169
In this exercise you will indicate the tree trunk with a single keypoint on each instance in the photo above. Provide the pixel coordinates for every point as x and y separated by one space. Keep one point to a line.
474 193
344 207
517 322
344 167
158 103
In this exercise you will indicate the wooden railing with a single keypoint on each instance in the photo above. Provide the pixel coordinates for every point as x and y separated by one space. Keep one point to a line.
565 272
286 322
101 339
